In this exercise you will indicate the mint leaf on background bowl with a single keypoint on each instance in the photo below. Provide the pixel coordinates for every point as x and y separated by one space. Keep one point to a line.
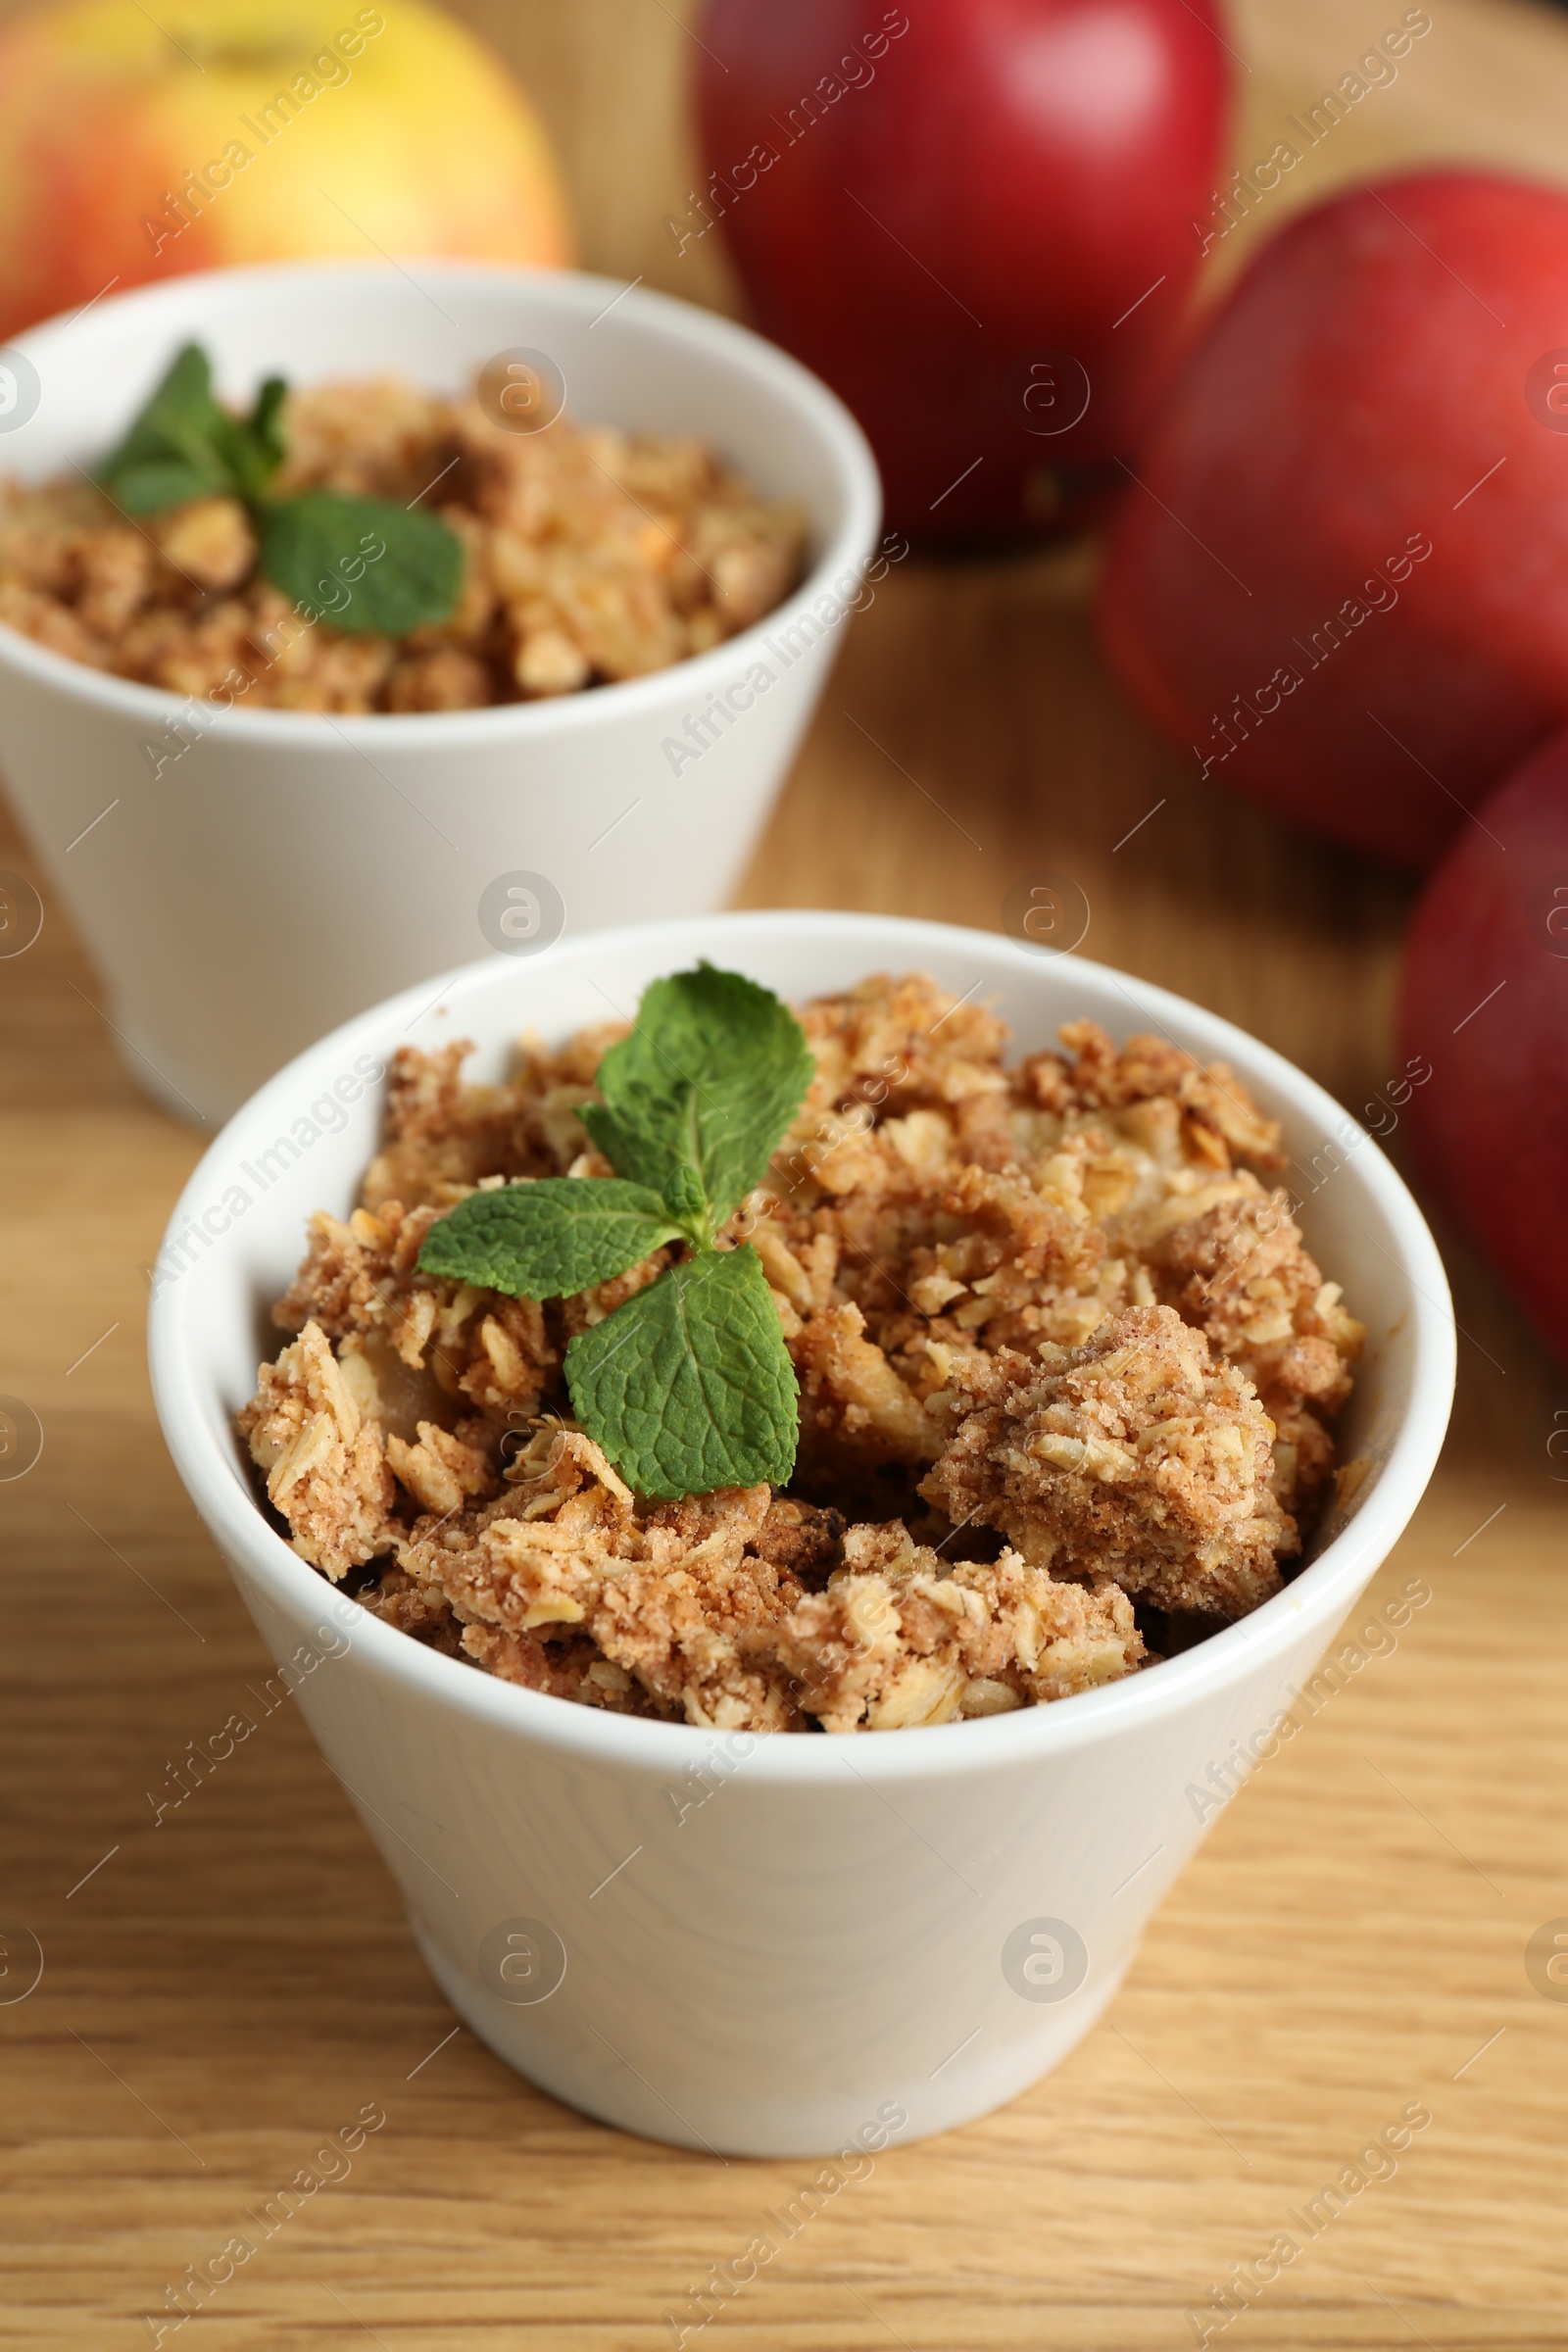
244 879
809 1952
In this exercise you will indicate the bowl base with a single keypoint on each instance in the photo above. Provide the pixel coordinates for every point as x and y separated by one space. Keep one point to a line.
584 2070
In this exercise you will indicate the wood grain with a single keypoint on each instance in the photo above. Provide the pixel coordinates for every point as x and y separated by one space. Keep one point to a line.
223 1991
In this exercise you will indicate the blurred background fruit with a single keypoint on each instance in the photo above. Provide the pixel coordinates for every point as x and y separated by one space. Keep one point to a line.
1335 581
974 217
1345 587
244 130
1485 998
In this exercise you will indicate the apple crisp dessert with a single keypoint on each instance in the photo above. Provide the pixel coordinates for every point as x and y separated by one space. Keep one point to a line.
1066 1384
567 558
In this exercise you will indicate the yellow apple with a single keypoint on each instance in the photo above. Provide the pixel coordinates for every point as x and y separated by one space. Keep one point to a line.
244 130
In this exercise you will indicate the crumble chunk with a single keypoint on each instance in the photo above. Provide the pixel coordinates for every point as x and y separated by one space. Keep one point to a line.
1135 1455
899 1638
325 1466
679 1596
1068 1381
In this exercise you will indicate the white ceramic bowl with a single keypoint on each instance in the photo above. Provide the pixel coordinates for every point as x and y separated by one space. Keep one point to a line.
772 1945
288 869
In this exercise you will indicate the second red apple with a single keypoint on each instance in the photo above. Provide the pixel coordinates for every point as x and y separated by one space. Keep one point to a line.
974 218
1485 1001
1341 582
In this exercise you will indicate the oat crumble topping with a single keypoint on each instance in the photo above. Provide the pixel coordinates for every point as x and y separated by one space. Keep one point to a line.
593 554
1067 1373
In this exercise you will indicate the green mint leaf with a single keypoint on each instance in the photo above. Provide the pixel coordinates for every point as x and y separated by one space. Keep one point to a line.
255 449
646 1153
180 443
686 1197
548 1239
148 485
266 426
364 563
709 1080
689 1384
185 445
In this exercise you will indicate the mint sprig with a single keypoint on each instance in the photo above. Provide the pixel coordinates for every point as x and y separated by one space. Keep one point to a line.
687 1385
321 550
707 1083
548 1239
183 445
366 564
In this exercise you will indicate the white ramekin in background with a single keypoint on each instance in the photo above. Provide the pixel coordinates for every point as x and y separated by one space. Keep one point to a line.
771 1946
287 869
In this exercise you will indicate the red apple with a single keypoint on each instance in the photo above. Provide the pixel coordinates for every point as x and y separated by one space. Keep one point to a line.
976 219
1485 1001
1344 583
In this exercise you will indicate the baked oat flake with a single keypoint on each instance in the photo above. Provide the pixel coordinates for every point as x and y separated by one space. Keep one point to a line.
1066 1382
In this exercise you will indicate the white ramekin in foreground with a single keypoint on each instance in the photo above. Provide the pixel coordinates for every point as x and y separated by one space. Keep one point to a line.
246 878
772 1946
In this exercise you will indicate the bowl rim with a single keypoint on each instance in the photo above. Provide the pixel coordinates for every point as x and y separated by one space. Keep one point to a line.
706 335
1322 1593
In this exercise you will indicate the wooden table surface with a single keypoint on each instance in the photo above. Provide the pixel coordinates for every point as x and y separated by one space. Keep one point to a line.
221 1990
